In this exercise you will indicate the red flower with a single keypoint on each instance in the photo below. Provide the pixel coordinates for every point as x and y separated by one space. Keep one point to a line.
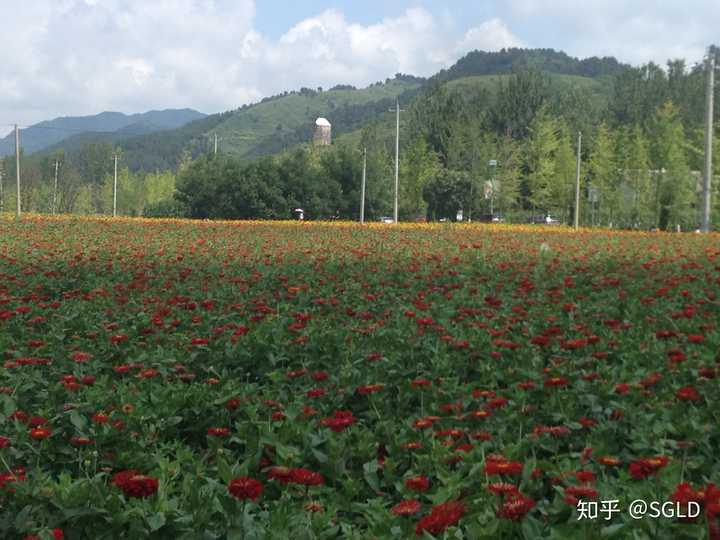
4 442
245 488
502 466
573 494
515 506
320 376
556 382
407 507
134 484
418 483
642 468
688 393
81 357
622 388
305 477
316 393
502 488
218 432
339 421
369 389
283 474
40 433
440 518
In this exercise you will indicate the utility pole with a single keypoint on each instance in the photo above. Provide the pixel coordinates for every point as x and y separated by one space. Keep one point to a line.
362 194
115 157
398 110
216 139
707 180
17 167
2 195
54 200
576 217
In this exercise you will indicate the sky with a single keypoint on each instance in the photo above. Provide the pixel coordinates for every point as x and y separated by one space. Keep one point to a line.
79 57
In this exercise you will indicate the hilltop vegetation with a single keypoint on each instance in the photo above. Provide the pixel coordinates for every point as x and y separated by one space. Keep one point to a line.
642 132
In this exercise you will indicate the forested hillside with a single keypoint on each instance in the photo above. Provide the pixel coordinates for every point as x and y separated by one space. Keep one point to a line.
520 110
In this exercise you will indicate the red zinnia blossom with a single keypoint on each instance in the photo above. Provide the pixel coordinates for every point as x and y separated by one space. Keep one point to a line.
369 389
100 418
4 442
418 483
314 393
320 376
339 421
119 338
695 338
245 488
622 388
40 433
284 474
609 461
200 341
515 506
556 382
573 494
418 383
502 488
688 393
80 441
684 494
218 432
573 344
502 466
585 476
306 477
441 517
134 484
642 468
407 507
80 356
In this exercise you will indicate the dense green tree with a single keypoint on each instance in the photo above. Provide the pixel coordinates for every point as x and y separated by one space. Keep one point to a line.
604 177
675 188
446 194
419 164
541 147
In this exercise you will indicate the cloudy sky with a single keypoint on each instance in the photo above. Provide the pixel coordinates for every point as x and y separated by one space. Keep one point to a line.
74 57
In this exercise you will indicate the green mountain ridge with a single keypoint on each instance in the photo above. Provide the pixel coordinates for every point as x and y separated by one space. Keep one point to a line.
47 135
283 121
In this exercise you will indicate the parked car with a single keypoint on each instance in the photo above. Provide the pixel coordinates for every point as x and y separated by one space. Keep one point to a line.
544 219
491 218
386 219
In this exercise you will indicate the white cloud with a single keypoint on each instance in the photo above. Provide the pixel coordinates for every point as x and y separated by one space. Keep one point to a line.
634 31
490 35
64 57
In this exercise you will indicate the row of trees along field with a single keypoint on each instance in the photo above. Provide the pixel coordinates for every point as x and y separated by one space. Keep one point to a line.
642 153
85 184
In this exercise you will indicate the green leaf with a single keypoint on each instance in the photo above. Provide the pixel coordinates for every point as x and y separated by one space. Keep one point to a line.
156 521
77 420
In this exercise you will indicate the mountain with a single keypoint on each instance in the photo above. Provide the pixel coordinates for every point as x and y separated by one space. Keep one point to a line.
48 133
283 121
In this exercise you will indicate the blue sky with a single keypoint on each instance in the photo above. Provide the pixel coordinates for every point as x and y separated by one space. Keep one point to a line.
75 57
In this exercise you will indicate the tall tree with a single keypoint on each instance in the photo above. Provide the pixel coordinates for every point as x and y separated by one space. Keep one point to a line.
676 189
541 146
604 177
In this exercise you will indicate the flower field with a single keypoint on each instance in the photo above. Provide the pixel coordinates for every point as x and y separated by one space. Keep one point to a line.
177 379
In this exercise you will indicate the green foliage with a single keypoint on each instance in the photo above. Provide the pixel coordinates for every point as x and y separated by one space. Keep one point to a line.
447 193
